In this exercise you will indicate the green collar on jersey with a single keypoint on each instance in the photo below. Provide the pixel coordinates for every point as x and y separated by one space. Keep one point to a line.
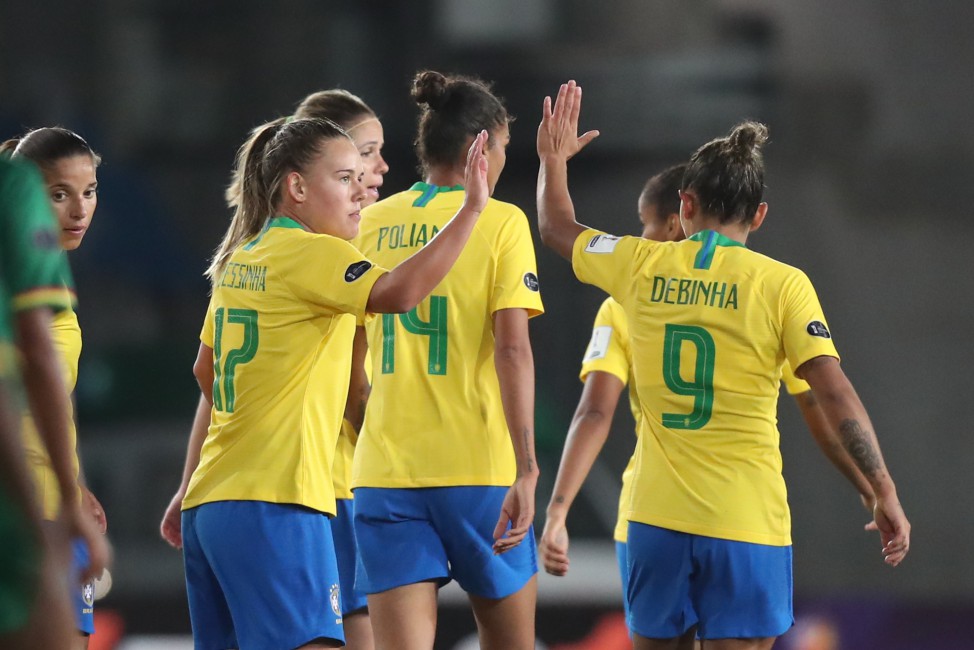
710 239
273 222
429 191
283 222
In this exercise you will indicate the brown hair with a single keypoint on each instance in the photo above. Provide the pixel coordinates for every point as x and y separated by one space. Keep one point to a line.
340 106
47 145
270 153
663 191
454 109
727 174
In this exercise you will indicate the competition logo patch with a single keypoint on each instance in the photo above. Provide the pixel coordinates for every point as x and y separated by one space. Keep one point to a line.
818 328
88 593
357 270
602 244
333 597
598 346
531 281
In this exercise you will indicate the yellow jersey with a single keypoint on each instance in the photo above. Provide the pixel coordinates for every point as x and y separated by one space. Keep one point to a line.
793 385
280 322
711 324
66 337
608 351
435 417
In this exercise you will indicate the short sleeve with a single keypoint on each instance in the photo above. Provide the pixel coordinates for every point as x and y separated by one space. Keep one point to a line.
805 332
207 335
793 385
605 261
333 276
516 277
608 349
34 267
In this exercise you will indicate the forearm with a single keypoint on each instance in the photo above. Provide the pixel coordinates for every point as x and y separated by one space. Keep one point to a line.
556 213
586 437
828 441
515 373
197 435
414 278
358 384
48 398
847 416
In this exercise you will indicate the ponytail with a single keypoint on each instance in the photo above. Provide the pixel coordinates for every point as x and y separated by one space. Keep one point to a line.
247 195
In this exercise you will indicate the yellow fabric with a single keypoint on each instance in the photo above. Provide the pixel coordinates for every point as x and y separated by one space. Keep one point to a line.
342 471
435 417
608 351
280 386
66 336
793 385
708 467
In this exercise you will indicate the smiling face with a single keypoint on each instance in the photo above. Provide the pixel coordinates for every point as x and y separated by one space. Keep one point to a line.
327 197
73 189
369 139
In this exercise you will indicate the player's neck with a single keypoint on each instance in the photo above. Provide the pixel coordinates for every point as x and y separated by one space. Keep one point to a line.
443 177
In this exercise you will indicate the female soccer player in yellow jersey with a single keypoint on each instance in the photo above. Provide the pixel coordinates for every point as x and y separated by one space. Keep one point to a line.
68 165
710 326
287 288
606 370
360 122
444 471
34 282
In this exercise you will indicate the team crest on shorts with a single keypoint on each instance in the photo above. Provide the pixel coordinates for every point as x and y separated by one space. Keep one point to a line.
333 597
818 328
88 593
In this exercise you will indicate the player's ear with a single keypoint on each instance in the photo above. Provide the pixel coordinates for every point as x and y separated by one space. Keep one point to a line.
688 205
759 216
295 187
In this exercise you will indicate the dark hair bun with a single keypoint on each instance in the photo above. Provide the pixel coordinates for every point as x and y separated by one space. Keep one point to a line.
430 88
747 136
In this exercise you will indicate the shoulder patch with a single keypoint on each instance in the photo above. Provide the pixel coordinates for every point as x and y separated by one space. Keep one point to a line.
531 281
357 270
818 328
598 346
602 244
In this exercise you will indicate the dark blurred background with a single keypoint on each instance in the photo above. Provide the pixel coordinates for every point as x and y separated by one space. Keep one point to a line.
870 167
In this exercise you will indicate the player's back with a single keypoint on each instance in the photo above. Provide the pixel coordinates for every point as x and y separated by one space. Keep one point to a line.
435 416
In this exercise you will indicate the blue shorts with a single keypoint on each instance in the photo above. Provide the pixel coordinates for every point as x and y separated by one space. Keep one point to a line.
623 560
347 554
414 535
260 575
83 596
727 589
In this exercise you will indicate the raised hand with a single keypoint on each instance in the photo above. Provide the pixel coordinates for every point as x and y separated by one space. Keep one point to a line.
558 132
475 174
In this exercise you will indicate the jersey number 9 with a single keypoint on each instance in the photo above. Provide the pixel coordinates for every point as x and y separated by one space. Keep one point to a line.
701 386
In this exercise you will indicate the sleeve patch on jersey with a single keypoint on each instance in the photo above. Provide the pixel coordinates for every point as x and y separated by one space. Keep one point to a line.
46 240
357 270
818 328
602 244
531 281
598 347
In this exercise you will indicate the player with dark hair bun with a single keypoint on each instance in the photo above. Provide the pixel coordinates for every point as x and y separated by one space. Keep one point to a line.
711 324
445 470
